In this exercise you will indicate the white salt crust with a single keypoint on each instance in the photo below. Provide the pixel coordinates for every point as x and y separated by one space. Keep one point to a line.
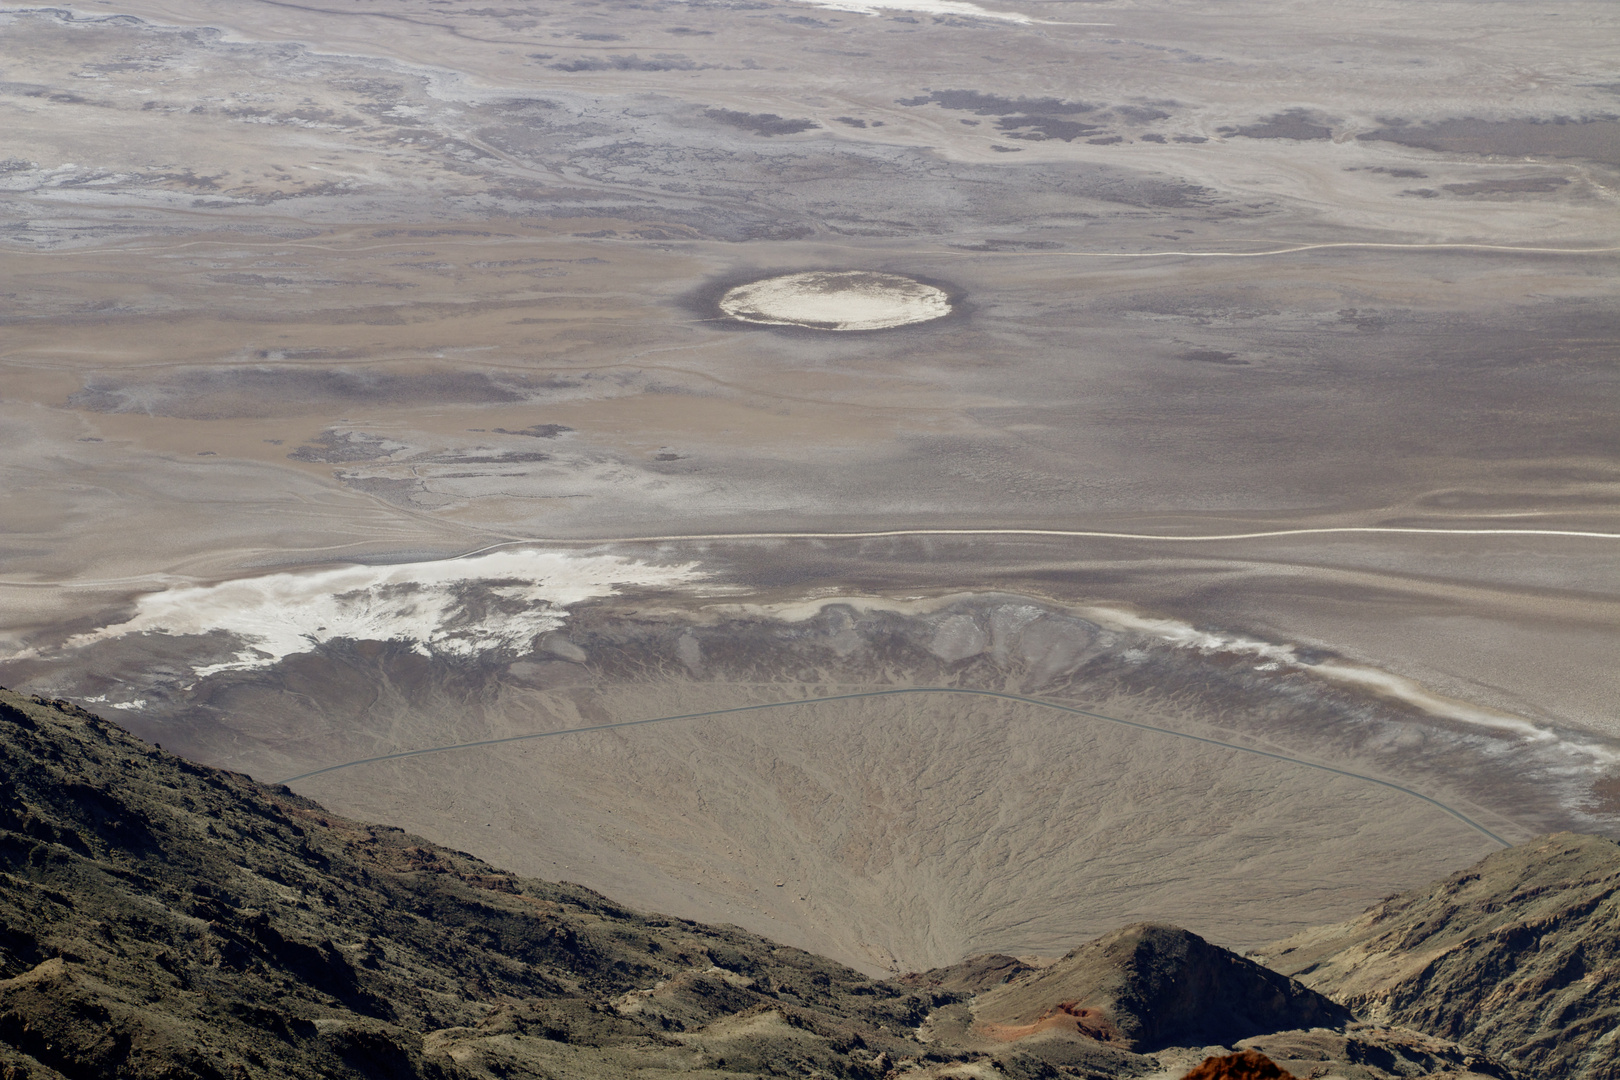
836 300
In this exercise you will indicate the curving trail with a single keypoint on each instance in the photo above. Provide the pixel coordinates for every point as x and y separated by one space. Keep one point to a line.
170 578
1292 249
1295 249
1067 533
1459 815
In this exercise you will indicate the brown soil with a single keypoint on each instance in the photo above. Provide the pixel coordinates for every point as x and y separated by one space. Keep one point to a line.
1249 1065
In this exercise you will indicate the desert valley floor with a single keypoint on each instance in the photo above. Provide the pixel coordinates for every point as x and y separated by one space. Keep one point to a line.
1224 394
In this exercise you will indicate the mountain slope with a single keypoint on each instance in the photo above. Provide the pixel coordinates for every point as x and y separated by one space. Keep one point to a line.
1519 955
1148 986
161 920
1141 1000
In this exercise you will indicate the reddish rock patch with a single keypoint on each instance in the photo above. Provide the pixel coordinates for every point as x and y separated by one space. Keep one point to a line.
1249 1065
1064 1016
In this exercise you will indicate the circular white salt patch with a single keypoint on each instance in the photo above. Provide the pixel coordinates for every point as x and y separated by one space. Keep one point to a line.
836 300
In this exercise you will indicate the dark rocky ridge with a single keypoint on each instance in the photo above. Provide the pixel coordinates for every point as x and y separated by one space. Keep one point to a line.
1519 955
1148 986
164 919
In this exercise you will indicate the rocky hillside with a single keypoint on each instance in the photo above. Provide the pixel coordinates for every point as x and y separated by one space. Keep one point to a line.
163 919
1138 1001
1147 986
1518 955
160 919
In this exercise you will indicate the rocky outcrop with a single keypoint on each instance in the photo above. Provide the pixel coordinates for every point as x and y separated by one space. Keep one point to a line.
1518 955
1149 1001
1149 986
1247 1065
